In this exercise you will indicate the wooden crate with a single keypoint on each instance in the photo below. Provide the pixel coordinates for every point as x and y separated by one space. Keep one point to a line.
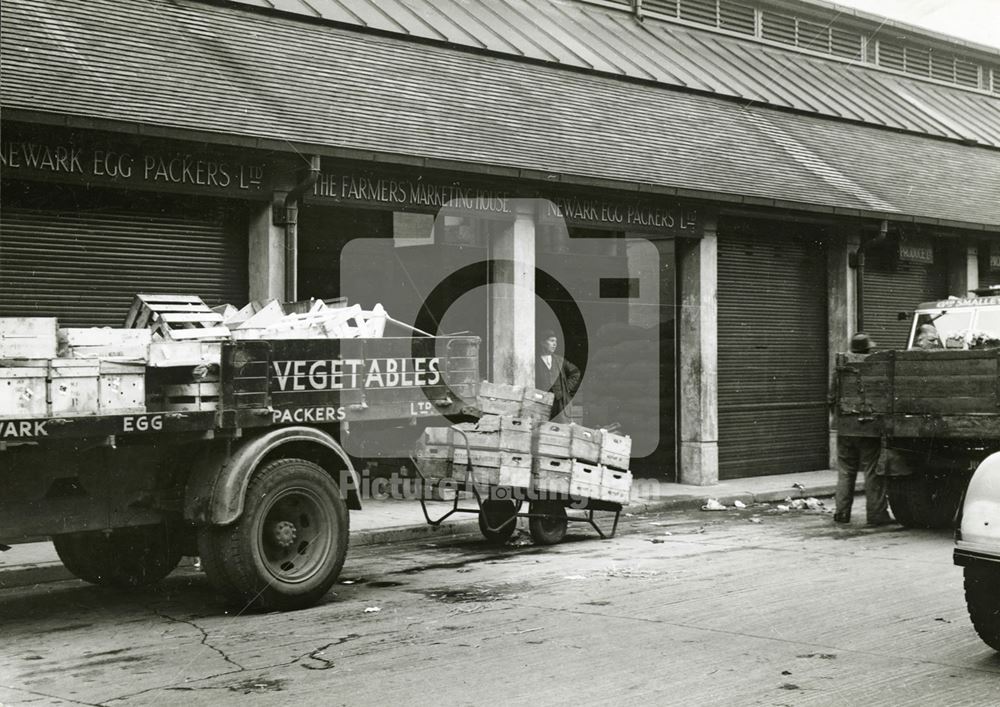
165 354
176 317
553 439
615 486
104 342
585 480
28 338
515 434
536 405
500 399
23 390
74 386
510 434
493 468
616 450
121 387
551 476
585 444
190 397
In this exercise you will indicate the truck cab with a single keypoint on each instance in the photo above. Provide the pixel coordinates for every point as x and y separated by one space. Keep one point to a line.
958 322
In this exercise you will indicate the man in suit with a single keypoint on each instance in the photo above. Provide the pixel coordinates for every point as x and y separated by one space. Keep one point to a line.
555 374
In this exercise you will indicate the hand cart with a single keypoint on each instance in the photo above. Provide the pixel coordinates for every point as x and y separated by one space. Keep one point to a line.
499 510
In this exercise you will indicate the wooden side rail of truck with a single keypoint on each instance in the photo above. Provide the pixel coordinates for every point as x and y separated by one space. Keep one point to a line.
260 487
937 413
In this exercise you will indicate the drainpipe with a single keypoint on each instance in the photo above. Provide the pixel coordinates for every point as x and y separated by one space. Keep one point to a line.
286 214
637 9
859 273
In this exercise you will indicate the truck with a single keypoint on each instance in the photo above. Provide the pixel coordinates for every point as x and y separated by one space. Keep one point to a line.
259 484
935 405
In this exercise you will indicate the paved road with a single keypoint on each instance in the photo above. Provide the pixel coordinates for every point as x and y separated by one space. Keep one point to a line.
682 609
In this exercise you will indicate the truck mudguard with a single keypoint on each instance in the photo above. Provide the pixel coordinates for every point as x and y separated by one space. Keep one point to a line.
219 478
980 527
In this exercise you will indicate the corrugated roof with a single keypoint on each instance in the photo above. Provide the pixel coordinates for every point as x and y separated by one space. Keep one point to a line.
222 70
613 41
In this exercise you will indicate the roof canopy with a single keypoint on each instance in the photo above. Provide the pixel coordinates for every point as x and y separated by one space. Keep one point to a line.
226 71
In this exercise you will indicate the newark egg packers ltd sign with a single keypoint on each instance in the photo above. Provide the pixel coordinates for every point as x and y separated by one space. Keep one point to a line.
130 166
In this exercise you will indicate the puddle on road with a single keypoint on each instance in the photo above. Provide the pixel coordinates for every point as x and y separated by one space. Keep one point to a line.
471 560
249 687
465 595
380 584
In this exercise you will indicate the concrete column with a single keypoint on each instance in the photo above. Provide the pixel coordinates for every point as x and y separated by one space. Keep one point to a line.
699 364
840 283
267 255
963 269
971 270
512 302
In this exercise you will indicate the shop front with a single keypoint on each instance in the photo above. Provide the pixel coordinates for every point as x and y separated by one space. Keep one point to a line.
426 246
91 219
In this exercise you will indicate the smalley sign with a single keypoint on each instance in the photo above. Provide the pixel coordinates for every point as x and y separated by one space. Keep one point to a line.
130 166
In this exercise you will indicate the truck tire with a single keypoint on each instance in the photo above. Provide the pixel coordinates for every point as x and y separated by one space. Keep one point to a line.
551 529
921 501
497 520
982 597
287 548
124 557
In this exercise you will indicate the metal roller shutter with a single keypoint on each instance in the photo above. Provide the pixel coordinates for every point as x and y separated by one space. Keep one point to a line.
85 267
772 355
889 292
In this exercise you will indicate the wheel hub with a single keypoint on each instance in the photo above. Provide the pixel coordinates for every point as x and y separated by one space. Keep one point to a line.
284 533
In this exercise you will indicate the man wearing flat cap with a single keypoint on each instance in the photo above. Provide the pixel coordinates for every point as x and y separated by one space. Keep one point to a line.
856 454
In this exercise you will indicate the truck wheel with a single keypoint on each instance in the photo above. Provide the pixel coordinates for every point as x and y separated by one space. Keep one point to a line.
124 558
494 513
287 548
549 530
919 501
982 597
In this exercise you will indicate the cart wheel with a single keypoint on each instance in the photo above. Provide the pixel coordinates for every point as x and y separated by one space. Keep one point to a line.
551 529
497 520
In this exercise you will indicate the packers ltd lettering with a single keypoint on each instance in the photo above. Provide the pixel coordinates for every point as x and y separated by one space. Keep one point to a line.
353 373
320 414
23 428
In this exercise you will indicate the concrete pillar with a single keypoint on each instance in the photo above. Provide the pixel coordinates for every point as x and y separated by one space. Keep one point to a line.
266 255
512 302
698 402
963 268
971 271
841 295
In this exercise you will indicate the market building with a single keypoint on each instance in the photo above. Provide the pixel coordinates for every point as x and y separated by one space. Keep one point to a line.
721 192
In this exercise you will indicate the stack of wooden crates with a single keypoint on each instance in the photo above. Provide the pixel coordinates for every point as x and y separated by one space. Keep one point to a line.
581 462
544 459
46 371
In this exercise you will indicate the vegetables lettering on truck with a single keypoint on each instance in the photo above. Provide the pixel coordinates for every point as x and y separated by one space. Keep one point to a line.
353 373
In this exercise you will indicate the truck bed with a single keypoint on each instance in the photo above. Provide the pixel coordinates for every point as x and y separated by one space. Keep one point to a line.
918 393
299 381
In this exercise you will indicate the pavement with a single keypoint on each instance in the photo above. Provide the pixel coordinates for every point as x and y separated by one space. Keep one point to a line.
401 520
